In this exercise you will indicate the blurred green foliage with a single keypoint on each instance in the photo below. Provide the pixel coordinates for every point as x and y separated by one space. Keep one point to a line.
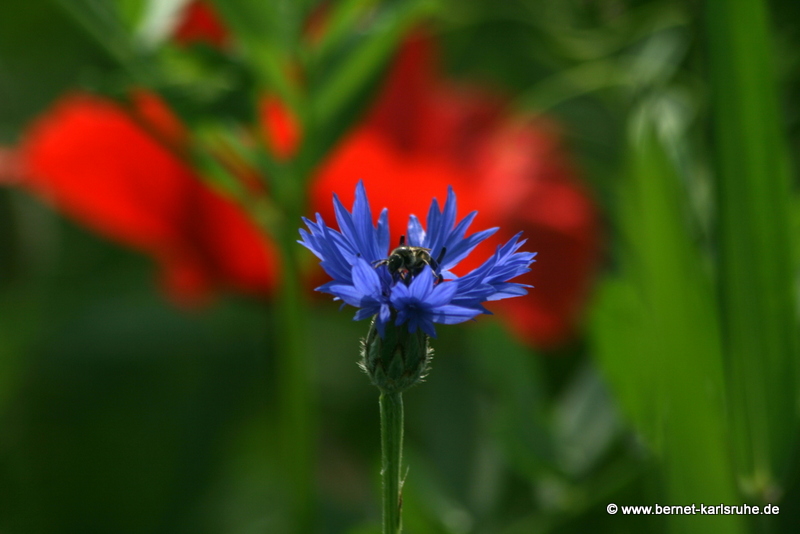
121 413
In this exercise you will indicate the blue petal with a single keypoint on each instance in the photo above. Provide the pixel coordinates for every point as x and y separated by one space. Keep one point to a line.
365 313
380 323
509 290
427 326
414 233
422 284
365 279
400 292
347 293
490 281
443 293
449 215
383 233
365 231
345 221
385 314
434 224
461 249
452 314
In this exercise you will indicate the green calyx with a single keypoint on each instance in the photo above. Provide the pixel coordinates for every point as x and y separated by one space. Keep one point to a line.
397 361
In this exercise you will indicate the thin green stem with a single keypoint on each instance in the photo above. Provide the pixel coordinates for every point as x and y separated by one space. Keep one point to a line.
296 403
391 459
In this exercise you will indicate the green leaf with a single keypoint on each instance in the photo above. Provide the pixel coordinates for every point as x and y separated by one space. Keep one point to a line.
373 50
43 53
107 25
339 23
338 95
756 252
657 336
269 34
520 414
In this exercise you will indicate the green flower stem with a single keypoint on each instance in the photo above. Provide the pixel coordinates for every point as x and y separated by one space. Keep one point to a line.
296 403
391 459
296 419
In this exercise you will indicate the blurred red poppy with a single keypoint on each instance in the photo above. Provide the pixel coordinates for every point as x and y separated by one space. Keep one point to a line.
93 161
425 133
281 130
200 23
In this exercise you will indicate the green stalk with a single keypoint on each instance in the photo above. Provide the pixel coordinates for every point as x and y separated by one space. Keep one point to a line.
295 402
391 459
757 279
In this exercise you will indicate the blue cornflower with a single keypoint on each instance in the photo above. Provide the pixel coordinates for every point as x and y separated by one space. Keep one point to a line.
357 259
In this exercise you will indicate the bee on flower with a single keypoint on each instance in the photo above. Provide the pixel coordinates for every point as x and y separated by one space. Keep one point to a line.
413 284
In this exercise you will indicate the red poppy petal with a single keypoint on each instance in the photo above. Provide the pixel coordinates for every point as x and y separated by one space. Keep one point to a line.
528 184
281 128
401 182
151 109
201 24
94 163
